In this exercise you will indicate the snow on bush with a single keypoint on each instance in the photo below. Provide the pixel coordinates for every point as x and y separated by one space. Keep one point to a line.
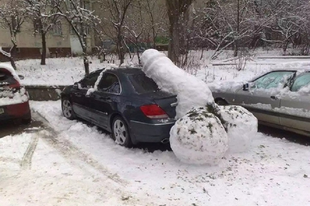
199 138
191 92
240 124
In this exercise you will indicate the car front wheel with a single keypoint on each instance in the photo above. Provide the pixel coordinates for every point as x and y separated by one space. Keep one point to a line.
120 132
67 110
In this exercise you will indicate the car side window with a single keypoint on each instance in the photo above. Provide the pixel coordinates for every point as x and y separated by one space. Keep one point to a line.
272 80
109 83
89 81
301 81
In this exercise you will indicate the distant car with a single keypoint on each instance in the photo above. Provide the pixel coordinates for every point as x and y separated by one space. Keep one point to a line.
279 98
123 101
14 101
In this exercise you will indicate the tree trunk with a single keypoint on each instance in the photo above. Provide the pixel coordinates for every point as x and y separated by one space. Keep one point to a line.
43 55
10 58
86 64
178 19
120 48
174 44
236 48
13 63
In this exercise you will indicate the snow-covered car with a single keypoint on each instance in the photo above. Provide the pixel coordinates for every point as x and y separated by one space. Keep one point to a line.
280 98
123 101
14 101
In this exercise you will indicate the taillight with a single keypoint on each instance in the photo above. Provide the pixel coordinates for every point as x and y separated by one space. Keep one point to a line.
153 111
15 85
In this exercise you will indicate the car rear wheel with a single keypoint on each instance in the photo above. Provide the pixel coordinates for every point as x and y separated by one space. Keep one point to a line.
67 110
221 102
120 132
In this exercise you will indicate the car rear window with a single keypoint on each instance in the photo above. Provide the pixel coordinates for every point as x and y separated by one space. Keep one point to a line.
6 78
143 84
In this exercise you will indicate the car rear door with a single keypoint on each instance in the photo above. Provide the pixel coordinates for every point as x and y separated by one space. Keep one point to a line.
295 105
263 97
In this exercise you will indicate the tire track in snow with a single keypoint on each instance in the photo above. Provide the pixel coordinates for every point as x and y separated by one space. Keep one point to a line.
26 160
73 154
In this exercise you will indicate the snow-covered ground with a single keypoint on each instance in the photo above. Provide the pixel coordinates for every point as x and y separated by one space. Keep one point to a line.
72 163
75 164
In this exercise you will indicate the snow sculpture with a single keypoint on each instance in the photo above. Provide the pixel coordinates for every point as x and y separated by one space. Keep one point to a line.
199 135
191 92
199 138
240 125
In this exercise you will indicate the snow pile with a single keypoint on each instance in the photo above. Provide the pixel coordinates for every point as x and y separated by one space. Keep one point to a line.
240 124
199 138
191 92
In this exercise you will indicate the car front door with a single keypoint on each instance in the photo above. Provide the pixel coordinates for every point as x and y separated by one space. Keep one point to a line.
295 107
80 101
105 99
263 95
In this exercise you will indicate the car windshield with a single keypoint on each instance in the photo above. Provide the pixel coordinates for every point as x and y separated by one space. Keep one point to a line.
272 80
143 84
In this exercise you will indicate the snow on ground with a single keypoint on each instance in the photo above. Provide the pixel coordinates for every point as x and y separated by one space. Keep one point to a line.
272 172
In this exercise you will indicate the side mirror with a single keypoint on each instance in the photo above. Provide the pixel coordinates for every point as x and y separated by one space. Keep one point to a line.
21 77
246 87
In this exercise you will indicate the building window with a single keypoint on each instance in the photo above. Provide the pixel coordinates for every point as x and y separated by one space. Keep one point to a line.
57 28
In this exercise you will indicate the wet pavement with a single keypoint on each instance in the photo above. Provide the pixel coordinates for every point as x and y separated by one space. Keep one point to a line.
13 128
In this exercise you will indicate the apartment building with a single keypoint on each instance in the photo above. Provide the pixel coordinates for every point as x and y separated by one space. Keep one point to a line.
61 41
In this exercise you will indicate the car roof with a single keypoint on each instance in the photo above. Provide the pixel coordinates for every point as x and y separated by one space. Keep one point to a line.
127 70
122 70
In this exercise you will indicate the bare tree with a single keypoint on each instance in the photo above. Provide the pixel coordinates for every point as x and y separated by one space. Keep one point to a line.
81 20
136 26
157 14
113 24
178 18
44 16
12 16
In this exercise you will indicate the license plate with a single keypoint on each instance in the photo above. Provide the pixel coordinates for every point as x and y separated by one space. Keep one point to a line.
1 110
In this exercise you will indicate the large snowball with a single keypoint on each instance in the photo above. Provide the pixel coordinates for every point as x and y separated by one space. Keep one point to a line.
241 125
191 91
199 138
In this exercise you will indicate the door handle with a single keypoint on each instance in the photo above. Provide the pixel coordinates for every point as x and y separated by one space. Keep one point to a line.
274 97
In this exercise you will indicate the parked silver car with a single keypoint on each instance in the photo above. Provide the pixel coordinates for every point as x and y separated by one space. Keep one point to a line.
279 98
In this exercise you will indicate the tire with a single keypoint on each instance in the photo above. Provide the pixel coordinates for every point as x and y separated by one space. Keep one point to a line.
67 109
221 102
120 132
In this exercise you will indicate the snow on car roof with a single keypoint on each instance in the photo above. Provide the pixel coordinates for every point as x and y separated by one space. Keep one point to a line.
8 67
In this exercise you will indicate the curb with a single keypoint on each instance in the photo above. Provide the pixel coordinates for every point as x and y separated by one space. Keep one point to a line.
44 93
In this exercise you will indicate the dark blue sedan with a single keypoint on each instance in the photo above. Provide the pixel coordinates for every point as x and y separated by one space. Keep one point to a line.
123 101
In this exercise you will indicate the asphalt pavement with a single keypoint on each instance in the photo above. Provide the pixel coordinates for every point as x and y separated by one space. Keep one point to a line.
14 128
